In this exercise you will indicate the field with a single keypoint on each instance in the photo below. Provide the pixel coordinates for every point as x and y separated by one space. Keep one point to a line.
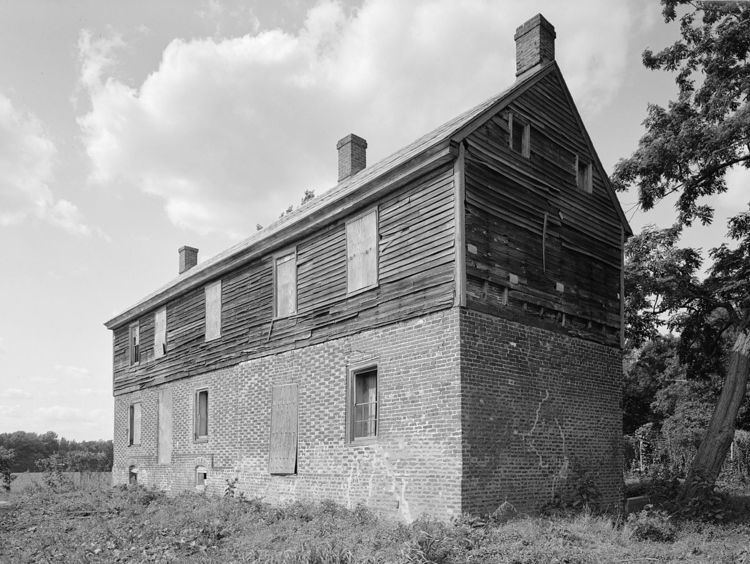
97 524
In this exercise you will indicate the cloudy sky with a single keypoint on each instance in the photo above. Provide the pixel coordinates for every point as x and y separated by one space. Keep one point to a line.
128 129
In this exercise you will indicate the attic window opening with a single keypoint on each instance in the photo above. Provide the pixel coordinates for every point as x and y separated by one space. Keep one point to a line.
519 135
583 175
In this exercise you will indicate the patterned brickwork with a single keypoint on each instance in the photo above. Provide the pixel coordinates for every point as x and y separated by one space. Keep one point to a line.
413 467
541 415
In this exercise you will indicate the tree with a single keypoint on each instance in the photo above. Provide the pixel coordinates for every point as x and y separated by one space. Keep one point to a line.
686 150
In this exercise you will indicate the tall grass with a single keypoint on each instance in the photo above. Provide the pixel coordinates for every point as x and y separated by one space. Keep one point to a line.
133 524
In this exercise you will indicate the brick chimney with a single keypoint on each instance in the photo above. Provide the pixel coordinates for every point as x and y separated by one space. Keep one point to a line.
535 44
352 149
188 258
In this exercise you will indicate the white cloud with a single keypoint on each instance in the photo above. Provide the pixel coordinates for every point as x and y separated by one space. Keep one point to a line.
27 157
14 393
228 132
68 372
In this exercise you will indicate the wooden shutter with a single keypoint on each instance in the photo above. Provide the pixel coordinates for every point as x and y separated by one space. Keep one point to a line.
164 446
160 332
213 310
362 251
286 285
283 448
135 424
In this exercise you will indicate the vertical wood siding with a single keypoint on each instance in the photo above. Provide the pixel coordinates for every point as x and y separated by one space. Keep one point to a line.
531 232
416 276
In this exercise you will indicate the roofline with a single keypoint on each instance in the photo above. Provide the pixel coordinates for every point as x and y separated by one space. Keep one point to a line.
607 184
360 192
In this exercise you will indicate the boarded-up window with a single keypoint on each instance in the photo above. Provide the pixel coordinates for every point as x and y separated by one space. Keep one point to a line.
286 285
519 135
583 175
283 448
362 252
201 414
134 424
364 409
160 332
164 445
134 344
213 310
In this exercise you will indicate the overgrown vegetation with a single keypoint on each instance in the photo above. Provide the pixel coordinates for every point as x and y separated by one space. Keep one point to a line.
133 524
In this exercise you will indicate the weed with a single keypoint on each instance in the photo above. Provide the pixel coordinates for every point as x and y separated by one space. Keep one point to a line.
652 525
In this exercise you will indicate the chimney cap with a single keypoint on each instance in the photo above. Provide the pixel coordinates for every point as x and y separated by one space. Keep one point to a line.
187 248
535 21
351 138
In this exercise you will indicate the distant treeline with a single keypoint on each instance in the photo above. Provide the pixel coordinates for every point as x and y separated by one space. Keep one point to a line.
78 456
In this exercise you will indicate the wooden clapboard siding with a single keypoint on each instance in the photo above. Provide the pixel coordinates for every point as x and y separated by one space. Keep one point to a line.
416 276
509 199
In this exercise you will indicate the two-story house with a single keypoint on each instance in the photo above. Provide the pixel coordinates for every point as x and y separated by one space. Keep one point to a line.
439 332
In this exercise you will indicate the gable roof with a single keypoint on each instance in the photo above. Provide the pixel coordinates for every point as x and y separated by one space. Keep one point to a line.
430 150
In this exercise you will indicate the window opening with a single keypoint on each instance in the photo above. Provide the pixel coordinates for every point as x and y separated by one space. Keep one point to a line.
365 412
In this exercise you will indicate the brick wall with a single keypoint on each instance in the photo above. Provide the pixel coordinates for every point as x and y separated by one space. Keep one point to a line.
540 414
413 467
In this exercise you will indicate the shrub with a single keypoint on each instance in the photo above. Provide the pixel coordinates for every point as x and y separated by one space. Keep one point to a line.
7 456
652 525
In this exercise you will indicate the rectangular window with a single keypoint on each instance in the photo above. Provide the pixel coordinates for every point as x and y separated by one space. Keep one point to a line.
282 456
519 135
213 310
160 332
134 346
285 290
362 251
364 403
134 424
201 414
583 175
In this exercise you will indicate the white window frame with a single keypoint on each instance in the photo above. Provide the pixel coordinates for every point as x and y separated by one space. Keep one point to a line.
376 282
290 254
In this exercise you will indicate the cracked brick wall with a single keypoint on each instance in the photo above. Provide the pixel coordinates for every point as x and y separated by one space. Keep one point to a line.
541 414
